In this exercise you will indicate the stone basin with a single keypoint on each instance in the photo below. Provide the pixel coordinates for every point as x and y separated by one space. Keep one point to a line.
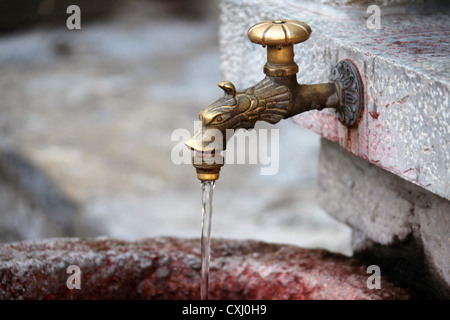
169 268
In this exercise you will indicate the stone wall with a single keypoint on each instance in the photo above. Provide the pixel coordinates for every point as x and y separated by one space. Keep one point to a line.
396 224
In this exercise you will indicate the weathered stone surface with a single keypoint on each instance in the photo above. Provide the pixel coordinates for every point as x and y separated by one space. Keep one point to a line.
169 268
358 7
405 125
410 222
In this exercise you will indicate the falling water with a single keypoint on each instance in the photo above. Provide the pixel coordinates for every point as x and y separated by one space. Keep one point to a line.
207 195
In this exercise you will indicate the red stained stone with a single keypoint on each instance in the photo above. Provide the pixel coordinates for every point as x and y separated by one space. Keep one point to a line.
169 268
374 115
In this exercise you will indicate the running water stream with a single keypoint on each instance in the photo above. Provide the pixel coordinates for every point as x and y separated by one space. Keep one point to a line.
207 195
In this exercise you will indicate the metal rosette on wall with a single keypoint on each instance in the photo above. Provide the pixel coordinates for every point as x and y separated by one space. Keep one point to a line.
346 74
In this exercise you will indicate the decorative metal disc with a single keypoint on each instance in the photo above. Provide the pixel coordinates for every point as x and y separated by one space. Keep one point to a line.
347 75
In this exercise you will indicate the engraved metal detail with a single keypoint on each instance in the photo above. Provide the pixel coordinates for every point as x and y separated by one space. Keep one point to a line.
265 101
346 74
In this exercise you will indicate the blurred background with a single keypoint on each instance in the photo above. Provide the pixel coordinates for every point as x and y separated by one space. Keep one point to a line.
86 118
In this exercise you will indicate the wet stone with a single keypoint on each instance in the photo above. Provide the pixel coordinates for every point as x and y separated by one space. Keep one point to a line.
273 273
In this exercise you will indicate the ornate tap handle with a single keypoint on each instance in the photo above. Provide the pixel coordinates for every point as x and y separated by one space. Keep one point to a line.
279 36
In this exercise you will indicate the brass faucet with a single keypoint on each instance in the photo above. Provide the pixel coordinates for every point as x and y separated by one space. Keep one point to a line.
278 96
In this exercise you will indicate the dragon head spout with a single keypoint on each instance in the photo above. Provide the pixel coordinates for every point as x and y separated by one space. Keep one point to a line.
228 112
265 101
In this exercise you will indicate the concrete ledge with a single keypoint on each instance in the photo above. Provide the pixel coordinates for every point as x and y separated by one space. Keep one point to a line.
357 8
401 226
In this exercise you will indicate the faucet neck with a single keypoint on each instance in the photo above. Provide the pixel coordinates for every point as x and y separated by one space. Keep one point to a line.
306 97
280 61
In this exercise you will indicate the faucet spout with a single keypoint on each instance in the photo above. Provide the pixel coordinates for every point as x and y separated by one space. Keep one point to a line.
278 96
207 165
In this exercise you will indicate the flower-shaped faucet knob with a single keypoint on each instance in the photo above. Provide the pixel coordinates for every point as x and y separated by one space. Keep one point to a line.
279 36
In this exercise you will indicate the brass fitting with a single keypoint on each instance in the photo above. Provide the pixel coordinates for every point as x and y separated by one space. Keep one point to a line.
279 36
278 96
207 165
